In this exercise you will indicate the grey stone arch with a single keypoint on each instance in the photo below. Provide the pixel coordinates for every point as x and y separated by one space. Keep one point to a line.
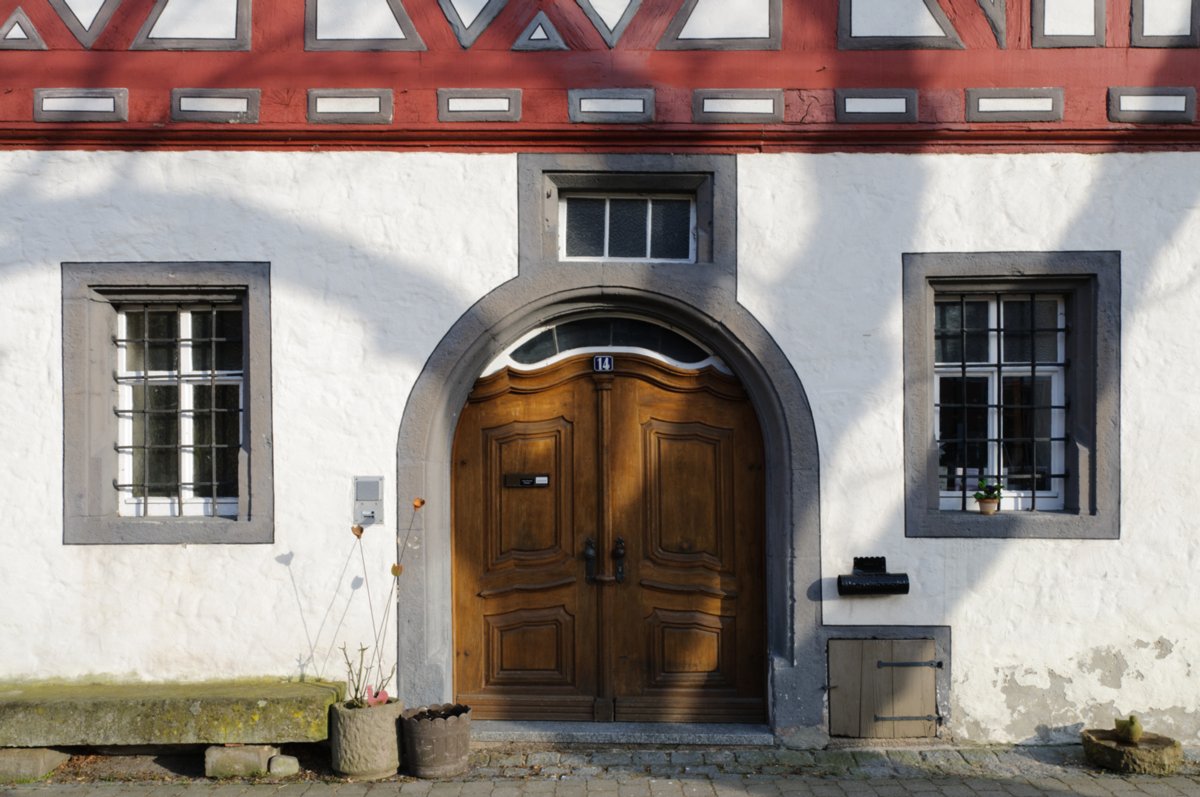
701 300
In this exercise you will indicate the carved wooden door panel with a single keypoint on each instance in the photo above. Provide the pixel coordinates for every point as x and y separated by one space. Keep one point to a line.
608 558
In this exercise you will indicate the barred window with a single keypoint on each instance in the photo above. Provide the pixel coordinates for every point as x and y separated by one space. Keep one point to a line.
1000 407
180 385
167 403
1012 374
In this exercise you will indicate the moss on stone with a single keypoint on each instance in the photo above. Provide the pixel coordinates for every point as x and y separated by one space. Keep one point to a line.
43 713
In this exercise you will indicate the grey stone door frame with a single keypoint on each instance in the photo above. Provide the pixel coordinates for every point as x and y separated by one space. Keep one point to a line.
708 310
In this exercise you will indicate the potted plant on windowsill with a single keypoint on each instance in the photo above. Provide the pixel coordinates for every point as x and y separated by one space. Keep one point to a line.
988 497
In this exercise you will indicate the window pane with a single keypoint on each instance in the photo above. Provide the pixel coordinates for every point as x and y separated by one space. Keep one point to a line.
950 332
584 333
1025 321
671 229
539 347
218 437
627 227
217 333
135 343
155 419
585 227
162 334
962 431
1025 418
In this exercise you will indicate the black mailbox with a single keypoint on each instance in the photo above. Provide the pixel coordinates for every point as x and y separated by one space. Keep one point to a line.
870 577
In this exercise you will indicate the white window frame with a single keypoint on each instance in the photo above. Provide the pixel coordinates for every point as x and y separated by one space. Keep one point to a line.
994 370
187 503
608 198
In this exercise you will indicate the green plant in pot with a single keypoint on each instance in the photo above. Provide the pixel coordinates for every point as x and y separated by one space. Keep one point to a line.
364 730
988 497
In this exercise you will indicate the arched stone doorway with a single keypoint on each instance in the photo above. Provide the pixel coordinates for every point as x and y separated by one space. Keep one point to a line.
796 662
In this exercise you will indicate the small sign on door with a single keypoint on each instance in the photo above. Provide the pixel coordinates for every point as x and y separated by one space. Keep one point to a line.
602 363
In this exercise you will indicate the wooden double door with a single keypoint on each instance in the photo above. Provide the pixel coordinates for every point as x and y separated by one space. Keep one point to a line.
608 545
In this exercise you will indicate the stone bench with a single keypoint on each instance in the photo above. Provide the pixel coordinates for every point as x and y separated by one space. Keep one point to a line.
46 715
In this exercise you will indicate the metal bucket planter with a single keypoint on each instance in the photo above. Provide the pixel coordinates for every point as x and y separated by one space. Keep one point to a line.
437 740
365 742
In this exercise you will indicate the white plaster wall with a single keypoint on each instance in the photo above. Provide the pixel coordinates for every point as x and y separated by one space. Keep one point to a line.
1046 635
373 257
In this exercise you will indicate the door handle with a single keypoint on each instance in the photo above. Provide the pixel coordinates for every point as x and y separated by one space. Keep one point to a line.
589 560
618 556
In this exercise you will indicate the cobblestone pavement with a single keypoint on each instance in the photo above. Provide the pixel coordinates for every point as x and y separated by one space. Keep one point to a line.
513 771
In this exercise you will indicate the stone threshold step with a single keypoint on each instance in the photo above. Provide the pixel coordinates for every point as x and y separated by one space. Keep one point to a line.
621 733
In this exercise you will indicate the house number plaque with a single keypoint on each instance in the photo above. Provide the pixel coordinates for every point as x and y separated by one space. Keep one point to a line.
602 363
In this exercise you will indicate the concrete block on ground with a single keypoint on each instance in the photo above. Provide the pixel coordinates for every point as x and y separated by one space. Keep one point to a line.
241 761
283 766
28 763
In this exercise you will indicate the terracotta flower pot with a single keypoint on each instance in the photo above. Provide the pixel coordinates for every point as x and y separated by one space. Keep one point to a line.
365 742
988 506
437 740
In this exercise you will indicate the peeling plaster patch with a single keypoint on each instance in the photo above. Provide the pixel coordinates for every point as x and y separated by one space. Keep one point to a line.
1037 710
1108 664
1163 646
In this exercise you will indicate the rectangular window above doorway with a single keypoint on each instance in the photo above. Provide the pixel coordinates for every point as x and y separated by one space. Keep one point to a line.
167 403
1012 366
673 216
627 227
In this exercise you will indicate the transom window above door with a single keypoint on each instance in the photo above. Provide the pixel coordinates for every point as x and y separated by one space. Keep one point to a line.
605 334
627 227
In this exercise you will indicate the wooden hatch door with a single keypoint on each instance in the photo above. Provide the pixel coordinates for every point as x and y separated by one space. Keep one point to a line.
608 546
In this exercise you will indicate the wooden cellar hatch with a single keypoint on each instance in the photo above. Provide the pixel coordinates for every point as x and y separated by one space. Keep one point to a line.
883 688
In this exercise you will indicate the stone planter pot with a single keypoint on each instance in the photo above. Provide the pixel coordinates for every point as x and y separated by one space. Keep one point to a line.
988 506
437 740
365 742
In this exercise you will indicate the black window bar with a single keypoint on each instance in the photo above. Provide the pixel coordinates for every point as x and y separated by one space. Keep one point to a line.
995 364
147 480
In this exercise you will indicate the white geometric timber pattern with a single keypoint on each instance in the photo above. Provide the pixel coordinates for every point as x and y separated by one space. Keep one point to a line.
611 17
724 25
728 19
85 18
469 18
357 19
893 18
540 35
18 33
359 25
196 25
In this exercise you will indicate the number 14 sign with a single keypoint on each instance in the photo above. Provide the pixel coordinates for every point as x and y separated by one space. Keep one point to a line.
602 363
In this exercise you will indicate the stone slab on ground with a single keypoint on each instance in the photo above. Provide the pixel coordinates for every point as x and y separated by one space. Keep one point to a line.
239 761
235 712
30 763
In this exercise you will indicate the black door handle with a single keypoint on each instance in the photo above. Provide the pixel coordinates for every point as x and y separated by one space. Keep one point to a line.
589 560
618 556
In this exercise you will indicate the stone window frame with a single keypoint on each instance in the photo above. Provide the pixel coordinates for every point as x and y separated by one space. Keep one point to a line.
91 293
711 180
1091 285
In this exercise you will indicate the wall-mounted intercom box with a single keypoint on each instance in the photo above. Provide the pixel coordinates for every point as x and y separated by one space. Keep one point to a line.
368 500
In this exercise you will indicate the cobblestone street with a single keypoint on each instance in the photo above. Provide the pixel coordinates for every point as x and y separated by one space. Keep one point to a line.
516 771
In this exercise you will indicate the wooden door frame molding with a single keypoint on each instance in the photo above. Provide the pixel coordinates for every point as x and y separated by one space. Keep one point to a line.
705 307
